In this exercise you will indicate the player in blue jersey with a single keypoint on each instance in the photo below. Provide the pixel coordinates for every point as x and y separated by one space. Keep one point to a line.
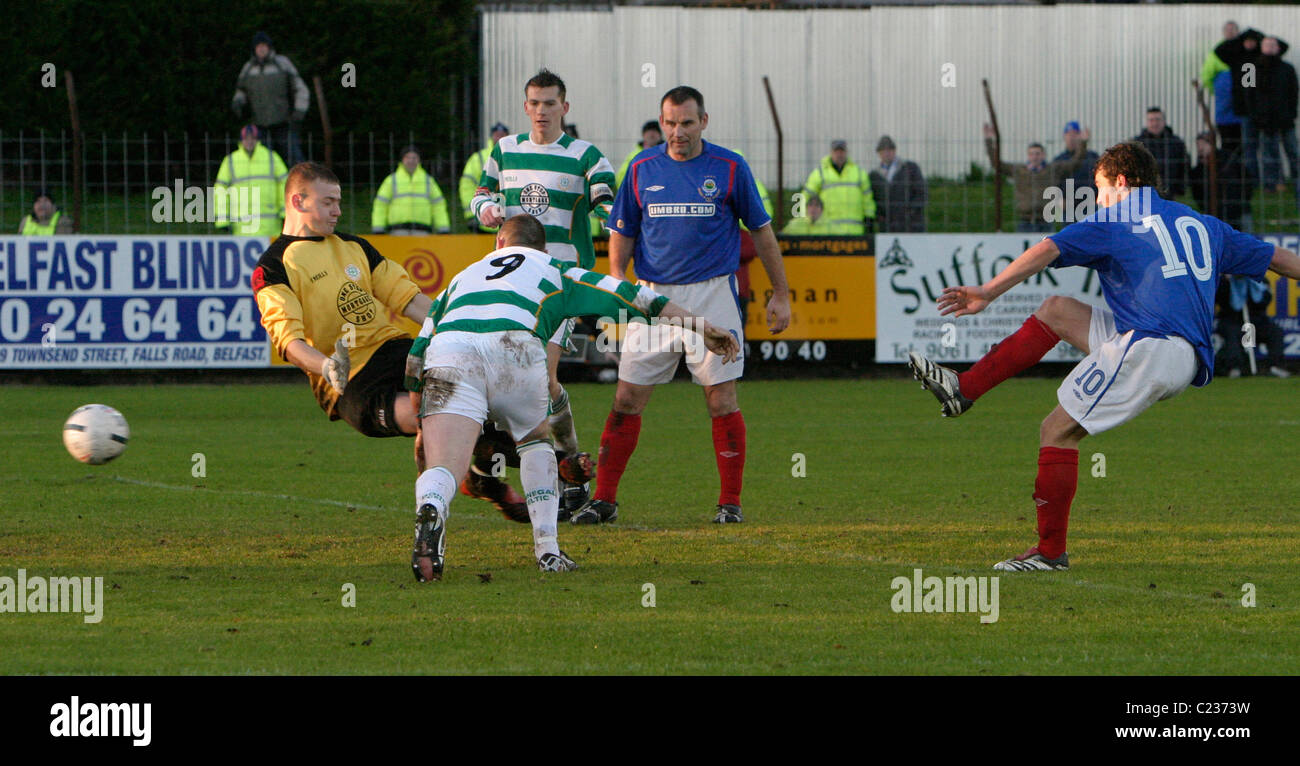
1159 263
677 216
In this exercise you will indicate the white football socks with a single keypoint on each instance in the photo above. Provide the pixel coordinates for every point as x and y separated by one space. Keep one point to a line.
538 474
435 487
562 428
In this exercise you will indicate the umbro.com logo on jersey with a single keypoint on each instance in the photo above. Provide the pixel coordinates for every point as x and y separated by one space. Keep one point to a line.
656 187
665 210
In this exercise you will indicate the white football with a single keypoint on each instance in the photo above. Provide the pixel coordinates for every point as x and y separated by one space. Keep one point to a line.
95 434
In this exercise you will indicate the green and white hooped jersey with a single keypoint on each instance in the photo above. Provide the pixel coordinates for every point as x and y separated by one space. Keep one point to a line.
518 288
559 184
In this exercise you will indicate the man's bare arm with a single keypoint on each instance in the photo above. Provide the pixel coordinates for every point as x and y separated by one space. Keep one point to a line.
304 357
620 254
769 252
1285 263
418 308
963 300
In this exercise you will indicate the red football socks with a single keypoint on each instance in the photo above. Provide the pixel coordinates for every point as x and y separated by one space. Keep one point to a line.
1058 478
1017 353
729 449
617 443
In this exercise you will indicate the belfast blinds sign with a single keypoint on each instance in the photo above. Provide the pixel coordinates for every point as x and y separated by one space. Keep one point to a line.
129 302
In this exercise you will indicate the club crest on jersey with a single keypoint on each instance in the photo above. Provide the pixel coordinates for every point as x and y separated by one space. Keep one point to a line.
534 199
352 271
709 189
355 305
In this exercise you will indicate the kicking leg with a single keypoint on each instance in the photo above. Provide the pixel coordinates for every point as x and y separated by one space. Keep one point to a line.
1058 318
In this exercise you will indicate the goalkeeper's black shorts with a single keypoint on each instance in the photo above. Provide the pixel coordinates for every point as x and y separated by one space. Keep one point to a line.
369 402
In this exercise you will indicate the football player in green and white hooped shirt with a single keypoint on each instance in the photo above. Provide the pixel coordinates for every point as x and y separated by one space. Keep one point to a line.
481 355
558 179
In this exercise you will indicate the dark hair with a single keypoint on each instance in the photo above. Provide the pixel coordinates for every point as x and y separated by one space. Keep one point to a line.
304 174
1036 144
1132 160
1151 109
525 231
680 95
546 79
652 125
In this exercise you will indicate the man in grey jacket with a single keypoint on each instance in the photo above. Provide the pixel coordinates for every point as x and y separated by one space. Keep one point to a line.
899 189
270 85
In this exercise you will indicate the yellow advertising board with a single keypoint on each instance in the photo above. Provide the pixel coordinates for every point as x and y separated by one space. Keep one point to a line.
832 281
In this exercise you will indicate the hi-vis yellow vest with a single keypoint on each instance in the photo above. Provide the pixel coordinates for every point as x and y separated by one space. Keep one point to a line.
33 229
845 194
265 172
410 198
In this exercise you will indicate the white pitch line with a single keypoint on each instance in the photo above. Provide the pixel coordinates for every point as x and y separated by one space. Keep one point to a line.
271 495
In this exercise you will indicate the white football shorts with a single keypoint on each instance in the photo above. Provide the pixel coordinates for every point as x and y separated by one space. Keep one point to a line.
1120 377
650 352
495 375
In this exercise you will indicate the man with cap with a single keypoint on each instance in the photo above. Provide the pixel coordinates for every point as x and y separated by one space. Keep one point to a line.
844 188
45 219
1083 175
250 188
409 201
650 136
469 179
899 190
271 87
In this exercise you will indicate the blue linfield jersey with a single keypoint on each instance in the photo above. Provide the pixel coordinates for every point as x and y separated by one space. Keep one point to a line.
683 215
1159 264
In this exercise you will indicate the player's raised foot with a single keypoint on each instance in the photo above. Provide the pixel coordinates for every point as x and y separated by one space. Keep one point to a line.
430 544
940 381
1033 561
728 514
550 562
596 512
498 492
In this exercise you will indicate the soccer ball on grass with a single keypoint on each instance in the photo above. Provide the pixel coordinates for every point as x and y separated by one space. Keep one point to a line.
95 434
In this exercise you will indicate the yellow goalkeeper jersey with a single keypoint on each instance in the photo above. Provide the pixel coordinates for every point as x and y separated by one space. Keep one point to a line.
316 288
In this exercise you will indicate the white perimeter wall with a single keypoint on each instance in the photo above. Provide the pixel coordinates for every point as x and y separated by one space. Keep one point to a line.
856 74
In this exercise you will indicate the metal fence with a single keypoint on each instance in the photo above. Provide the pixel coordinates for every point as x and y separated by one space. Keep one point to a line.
122 173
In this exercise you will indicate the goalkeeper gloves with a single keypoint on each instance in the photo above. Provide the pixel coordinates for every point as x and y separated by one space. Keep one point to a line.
336 366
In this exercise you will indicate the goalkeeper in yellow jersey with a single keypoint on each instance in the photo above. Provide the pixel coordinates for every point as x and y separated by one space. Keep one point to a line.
323 296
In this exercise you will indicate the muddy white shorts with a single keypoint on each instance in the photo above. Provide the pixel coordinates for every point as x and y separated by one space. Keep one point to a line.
496 375
650 352
1120 377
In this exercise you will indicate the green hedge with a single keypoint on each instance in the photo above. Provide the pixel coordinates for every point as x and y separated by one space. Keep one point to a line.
160 65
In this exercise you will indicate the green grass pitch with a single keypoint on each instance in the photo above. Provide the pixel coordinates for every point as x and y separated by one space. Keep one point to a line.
243 570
